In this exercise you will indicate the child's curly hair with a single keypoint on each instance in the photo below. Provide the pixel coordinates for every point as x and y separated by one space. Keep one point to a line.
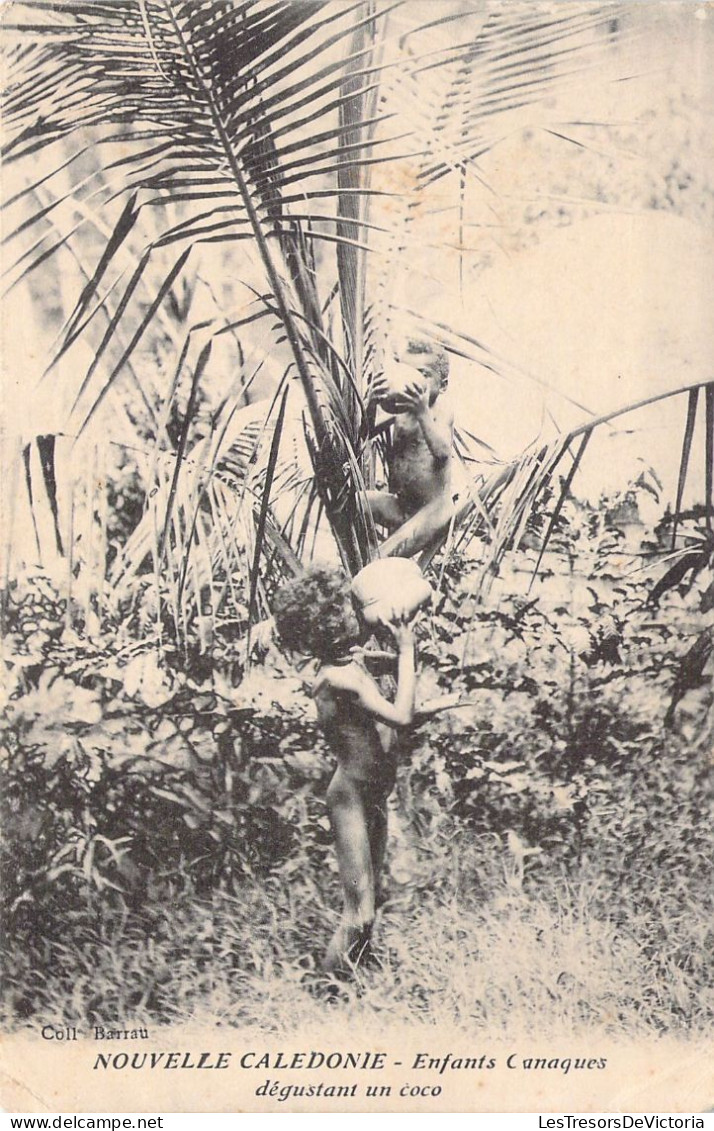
309 613
440 364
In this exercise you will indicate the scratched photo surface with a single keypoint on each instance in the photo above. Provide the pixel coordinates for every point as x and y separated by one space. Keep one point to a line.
357 555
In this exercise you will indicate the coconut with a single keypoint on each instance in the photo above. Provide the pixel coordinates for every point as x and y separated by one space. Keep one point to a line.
390 589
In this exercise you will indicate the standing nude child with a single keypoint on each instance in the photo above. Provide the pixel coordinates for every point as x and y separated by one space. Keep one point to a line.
315 614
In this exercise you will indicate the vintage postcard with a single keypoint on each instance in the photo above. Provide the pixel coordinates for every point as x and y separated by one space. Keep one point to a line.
357 556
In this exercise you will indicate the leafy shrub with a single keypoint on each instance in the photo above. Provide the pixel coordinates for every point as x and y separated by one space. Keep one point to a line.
579 752
119 775
562 739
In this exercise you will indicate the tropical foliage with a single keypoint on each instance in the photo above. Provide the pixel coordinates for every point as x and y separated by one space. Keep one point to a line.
235 190
564 789
218 215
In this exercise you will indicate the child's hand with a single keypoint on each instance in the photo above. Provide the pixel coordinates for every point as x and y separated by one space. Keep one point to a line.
402 630
416 397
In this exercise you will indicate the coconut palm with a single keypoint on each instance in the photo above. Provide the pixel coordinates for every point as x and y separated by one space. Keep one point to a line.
235 187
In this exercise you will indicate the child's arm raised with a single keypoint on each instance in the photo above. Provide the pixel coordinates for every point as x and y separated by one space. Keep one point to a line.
400 713
436 423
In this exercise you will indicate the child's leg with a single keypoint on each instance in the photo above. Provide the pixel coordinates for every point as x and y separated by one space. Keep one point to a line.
349 818
378 798
419 531
378 846
386 509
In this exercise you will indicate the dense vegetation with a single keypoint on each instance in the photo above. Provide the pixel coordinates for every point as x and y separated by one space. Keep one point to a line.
167 853
218 214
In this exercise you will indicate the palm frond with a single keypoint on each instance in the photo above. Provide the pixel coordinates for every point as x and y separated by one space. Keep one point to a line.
309 143
692 400
207 102
265 503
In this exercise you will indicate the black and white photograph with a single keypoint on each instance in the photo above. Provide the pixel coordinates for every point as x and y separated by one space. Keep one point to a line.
357 556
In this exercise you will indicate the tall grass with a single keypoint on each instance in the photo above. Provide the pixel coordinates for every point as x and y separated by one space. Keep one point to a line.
475 951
